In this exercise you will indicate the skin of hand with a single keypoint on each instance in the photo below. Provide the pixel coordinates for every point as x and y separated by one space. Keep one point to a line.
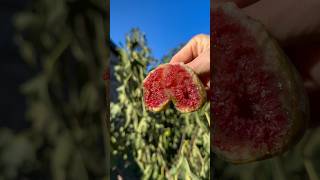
296 26
290 21
196 55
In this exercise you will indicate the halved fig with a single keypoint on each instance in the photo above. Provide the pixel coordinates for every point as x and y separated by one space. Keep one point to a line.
258 101
176 83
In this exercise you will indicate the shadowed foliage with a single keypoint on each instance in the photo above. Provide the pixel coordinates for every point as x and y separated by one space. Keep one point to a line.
64 44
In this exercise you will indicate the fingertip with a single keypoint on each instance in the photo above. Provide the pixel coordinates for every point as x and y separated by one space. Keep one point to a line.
175 60
195 66
201 64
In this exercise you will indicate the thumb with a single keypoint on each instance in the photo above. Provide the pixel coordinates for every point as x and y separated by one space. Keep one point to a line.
201 64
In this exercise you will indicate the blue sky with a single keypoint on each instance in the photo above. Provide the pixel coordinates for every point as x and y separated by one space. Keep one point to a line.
166 23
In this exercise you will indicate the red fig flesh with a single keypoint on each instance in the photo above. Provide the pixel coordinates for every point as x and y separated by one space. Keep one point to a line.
176 83
258 102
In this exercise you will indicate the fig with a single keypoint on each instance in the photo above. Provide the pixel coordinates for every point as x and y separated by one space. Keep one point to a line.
258 101
173 82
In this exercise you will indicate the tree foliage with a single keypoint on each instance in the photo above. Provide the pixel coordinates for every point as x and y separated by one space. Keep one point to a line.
64 43
165 145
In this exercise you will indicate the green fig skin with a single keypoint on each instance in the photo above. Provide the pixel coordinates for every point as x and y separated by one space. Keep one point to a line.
164 90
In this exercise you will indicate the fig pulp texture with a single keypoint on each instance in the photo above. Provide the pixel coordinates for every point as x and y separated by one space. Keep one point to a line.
176 83
258 101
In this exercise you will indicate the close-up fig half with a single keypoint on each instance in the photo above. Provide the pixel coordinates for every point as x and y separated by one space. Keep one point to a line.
173 82
258 102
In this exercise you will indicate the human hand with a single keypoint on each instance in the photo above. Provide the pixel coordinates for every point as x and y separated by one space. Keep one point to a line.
289 21
196 55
